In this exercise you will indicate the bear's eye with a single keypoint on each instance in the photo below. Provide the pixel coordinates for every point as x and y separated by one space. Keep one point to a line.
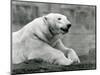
59 18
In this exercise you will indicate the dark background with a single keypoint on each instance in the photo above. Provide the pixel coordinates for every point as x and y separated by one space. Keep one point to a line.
81 36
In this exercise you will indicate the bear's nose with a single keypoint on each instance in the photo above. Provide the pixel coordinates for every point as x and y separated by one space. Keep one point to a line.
68 25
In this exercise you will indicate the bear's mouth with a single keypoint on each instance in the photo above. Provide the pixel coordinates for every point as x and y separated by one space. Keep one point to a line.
65 30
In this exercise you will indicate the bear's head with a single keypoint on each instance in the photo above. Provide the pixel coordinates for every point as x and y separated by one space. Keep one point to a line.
57 23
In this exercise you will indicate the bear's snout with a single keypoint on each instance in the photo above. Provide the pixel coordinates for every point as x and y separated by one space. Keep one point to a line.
69 25
65 29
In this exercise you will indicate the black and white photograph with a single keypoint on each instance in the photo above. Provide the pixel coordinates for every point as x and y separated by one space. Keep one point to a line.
52 37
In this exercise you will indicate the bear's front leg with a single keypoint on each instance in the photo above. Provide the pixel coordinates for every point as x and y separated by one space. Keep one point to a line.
69 53
50 55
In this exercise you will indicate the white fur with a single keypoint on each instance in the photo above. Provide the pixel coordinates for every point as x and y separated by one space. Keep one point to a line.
35 41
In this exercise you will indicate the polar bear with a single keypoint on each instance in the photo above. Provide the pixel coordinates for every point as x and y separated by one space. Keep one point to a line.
41 39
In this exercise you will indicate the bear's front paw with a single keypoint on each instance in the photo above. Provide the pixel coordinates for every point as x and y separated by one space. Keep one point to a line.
75 60
73 56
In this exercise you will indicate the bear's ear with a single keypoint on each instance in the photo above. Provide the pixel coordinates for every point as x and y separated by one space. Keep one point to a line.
45 17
